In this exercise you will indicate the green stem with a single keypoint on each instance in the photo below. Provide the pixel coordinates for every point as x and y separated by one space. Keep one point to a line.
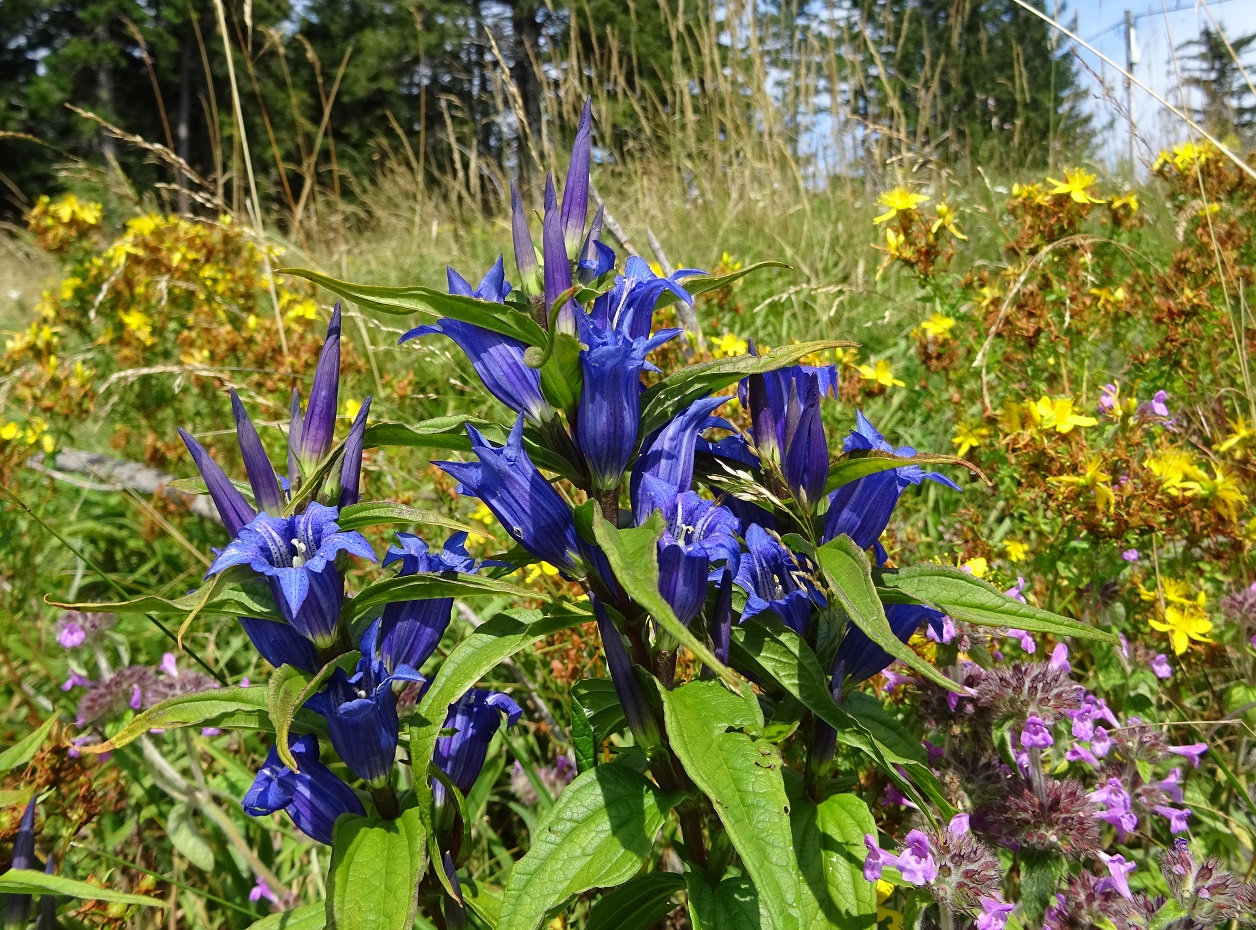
385 798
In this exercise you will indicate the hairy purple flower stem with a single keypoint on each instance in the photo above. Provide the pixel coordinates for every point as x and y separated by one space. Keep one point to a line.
385 799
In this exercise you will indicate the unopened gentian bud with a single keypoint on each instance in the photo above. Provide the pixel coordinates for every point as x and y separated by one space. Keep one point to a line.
637 710
525 251
318 429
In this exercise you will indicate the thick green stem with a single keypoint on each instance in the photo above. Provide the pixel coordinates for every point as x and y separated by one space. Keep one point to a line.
385 799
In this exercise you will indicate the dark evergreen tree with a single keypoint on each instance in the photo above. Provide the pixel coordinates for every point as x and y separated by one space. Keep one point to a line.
1225 105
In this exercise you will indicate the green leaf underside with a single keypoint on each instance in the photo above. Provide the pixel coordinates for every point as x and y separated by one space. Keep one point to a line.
494 640
633 557
851 467
959 594
638 904
225 708
375 870
247 599
29 881
386 513
403 301
704 283
741 774
850 579
597 834
663 400
187 837
449 434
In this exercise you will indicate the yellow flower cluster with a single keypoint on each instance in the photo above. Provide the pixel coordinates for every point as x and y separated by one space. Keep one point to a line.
1185 158
968 437
937 327
34 432
1053 414
1180 476
60 224
1178 612
1076 186
898 201
1095 478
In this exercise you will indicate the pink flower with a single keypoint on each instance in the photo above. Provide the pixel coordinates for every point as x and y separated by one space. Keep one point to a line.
1177 818
993 914
1059 658
1120 871
76 681
958 825
1172 785
1026 641
71 635
1194 752
1036 735
262 890
1160 666
915 863
1130 555
1079 753
875 860
137 697
1101 743
168 665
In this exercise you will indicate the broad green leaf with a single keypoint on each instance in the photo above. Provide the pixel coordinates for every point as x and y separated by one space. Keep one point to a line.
430 585
24 749
961 595
469 661
853 466
582 740
677 391
247 599
887 731
561 376
829 852
716 735
403 301
306 917
386 513
1040 876
598 698
225 708
704 283
188 838
375 870
638 904
850 579
633 557
597 834
484 902
732 905
29 881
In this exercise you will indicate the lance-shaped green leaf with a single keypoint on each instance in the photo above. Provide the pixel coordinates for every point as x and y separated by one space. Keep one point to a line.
850 579
733 904
287 692
663 401
375 870
449 433
24 749
404 301
469 661
28 881
225 708
243 599
852 466
430 585
716 736
961 595
705 283
597 834
638 904
633 557
386 513
829 852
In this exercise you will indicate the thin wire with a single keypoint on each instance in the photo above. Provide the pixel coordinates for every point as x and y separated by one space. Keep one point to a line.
1137 16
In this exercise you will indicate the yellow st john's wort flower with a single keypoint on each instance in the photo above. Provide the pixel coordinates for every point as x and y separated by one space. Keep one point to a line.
881 373
1109 297
977 567
1129 201
728 345
1222 491
730 264
968 437
946 220
1240 432
1076 183
138 322
538 570
1015 550
1094 478
1174 591
1056 414
896 201
937 327
1183 624
351 408
1177 472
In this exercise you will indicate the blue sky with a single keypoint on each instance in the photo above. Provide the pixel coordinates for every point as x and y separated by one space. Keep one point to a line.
1156 35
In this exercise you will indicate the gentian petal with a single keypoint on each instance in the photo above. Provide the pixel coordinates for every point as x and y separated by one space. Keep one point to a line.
351 467
525 251
576 190
256 463
319 426
557 271
232 506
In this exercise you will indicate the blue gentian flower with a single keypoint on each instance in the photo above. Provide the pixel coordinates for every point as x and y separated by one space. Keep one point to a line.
784 408
629 305
411 630
859 658
233 507
774 581
698 535
637 712
318 428
493 286
280 644
313 797
668 453
557 270
532 512
609 413
576 191
861 509
596 257
474 719
721 625
17 907
361 712
297 555
266 491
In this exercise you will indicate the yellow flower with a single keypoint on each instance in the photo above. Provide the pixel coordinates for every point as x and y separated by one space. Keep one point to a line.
1076 182
730 264
1241 432
483 515
144 226
978 567
946 220
882 374
1185 157
538 570
899 200
1030 193
302 310
889 919
896 243
1221 491
1108 297
937 327
1177 473
1015 550
1094 478
351 407
1056 414
251 322
967 438
10 431
138 322
1174 591
1183 624
1129 200
728 345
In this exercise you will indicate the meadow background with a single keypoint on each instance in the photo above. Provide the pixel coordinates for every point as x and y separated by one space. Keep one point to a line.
935 176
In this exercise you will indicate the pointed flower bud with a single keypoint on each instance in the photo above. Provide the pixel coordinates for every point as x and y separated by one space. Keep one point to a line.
232 506
525 251
774 581
557 271
641 720
319 426
351 466
576 190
